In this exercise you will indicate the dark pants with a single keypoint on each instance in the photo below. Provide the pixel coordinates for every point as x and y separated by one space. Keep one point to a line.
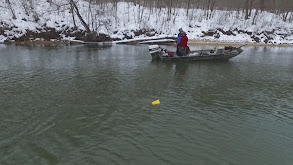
177 51
181 51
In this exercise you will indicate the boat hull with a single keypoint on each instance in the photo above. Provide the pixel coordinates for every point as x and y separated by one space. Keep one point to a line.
159 54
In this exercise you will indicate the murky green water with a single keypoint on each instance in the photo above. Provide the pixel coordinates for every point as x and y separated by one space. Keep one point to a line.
92 105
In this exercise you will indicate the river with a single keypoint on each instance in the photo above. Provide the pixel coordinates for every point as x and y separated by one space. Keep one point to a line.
92 105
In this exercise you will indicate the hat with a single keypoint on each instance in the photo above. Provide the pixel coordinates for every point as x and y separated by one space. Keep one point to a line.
181 30
184 32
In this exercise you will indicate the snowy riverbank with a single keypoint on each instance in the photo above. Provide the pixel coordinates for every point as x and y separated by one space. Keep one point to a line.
130 21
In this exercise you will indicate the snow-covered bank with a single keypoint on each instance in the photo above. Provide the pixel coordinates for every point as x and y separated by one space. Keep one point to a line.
127 21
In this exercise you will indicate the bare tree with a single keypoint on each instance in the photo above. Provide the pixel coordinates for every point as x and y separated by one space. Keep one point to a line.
11 9
72 14
246 8
210 4
285 7
254 17
25 7
76 10
169 10
188 7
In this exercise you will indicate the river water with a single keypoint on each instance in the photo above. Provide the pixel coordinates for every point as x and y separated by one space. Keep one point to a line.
92 105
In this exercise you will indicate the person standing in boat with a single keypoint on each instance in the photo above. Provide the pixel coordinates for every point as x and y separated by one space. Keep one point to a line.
183 49
179 38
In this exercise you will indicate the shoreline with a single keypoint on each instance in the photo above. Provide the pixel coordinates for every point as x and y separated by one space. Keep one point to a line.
218 43
190 42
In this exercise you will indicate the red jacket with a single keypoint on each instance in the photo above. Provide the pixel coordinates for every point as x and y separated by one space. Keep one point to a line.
183 41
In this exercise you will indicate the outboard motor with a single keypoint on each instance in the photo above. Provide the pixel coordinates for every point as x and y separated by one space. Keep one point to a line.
154 48
155 51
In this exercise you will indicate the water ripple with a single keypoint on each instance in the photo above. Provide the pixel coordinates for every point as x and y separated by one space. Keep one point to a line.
82 105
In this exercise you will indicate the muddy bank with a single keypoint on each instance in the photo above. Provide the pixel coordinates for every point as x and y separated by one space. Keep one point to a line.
51 34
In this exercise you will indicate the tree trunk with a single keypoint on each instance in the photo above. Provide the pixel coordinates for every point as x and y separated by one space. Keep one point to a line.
72 13
212 5
285 16
254 17
79 16
188 7
250 7
11 9
90 16
246 8
170 10
291 18
208 9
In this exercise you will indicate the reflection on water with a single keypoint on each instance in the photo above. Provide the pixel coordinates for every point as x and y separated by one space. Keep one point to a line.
92 104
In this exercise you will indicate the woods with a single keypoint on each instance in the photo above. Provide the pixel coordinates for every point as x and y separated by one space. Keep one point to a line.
280 7
129 18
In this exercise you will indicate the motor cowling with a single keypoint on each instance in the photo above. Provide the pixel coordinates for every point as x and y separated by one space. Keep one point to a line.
154 48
